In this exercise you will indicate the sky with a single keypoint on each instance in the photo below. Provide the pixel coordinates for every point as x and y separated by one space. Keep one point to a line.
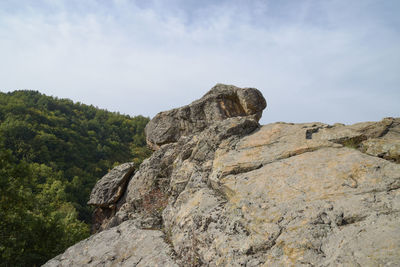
313 60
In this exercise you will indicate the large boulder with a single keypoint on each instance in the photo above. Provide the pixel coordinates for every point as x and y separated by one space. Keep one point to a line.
220 103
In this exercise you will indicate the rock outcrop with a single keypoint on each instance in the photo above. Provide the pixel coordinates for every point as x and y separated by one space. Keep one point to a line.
220 103
221 190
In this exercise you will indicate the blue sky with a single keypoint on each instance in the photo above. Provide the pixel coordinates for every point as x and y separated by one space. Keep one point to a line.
329 61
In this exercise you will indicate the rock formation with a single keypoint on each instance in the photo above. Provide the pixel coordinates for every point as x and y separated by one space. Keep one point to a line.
220 103
106 194
221 190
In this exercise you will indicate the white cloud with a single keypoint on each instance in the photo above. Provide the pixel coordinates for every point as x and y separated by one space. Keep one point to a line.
140 59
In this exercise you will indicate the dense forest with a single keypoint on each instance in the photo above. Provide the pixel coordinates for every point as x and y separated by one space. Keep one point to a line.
52 152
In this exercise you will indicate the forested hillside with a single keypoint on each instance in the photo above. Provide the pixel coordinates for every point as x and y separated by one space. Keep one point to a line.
52 152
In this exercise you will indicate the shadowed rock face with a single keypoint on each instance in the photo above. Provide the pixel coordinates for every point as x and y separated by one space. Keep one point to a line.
229 192
107 192
110 188
221 102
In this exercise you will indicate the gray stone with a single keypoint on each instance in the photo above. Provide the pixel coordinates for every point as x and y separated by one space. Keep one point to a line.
124 245
221 102
109 189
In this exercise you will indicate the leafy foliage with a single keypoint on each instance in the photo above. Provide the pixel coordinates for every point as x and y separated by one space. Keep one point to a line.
52 152
37 222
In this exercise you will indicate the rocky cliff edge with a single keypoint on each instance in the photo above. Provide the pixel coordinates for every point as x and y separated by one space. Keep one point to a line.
221 190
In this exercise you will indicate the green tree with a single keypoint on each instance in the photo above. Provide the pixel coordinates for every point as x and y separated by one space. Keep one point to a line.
80 140
37 222
52 152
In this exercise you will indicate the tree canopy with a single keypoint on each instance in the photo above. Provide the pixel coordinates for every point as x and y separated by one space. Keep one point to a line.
52 152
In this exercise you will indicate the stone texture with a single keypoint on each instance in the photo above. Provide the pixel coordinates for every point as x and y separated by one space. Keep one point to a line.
124 245
387 149
109 189
294 207
229 192
293 195
221 102
106 194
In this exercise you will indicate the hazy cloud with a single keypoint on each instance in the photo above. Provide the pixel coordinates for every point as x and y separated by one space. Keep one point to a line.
313 60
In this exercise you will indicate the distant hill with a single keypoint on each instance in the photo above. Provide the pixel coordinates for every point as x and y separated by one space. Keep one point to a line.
54 150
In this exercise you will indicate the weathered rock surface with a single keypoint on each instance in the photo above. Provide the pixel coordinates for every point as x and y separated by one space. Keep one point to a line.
124 245
106 193
229 192
110 188
221 102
